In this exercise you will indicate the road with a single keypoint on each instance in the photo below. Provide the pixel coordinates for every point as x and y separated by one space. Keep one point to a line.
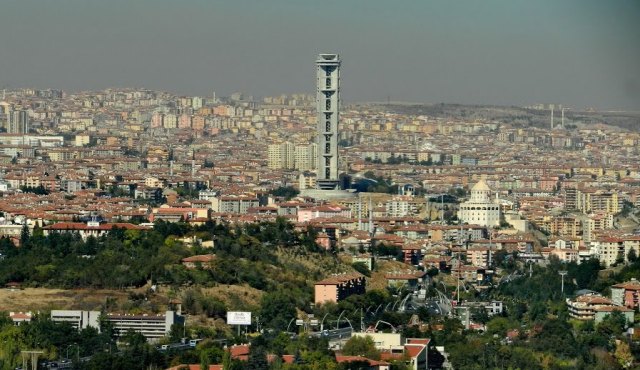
333 334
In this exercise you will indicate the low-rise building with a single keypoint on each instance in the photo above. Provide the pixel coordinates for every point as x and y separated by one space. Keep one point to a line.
339 287
234 204
616 249
410 280
78 319
604 311
19 318
626 294
152 326
584 307
203 260
95 229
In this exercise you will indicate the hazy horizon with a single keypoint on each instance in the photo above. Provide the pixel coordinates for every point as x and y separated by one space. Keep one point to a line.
580 53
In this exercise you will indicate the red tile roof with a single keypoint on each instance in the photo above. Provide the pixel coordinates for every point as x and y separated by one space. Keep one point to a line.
341 359
200 258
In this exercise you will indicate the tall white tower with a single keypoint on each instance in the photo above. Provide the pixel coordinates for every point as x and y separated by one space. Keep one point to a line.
327 102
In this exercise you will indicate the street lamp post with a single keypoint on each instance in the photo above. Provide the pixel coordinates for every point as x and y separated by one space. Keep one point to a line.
562 274
322 322
288 325
338 322
77 348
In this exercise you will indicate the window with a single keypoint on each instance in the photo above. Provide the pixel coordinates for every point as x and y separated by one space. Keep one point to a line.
328 104
328 126
328 83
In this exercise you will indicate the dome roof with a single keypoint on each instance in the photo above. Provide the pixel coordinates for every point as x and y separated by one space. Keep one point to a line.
481 186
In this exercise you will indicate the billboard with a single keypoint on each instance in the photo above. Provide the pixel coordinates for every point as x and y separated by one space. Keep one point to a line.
238 318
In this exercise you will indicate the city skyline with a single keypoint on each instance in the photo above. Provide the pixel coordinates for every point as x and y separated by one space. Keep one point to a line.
580 54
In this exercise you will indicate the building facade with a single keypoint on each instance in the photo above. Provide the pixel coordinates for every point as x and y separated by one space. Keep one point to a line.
339 287
152 326
327 100
17 122
480 209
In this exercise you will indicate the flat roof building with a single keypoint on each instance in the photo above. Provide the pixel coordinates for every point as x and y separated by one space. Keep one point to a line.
339 287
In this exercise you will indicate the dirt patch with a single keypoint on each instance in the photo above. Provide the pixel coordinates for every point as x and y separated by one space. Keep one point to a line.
35 299
235 297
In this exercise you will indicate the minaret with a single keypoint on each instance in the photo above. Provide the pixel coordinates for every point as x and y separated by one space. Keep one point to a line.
359 213
370 217
552 118
193 163
327 102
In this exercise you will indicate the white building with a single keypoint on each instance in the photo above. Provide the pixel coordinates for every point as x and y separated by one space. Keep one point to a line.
403 205
152 326
78 319
234 204
207 194
480 209
610 250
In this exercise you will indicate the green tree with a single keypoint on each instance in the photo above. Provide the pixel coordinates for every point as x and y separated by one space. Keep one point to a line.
362 268
277 309
24 235
557 338
612 324
479 314
632 256
286 192
257 358
361 346
623 354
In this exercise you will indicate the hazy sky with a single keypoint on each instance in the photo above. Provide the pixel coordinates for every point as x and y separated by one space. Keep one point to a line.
576 52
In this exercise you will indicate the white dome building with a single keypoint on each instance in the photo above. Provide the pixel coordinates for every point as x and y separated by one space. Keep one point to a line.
480 209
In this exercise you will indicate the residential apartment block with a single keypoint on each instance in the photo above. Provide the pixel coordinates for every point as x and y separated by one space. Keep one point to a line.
339 287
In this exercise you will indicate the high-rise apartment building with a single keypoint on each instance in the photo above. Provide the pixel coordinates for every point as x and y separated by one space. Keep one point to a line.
289 156
327 100
281 156
17 122
305 157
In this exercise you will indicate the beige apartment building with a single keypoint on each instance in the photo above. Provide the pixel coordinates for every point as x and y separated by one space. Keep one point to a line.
289 156
611 249
339 287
